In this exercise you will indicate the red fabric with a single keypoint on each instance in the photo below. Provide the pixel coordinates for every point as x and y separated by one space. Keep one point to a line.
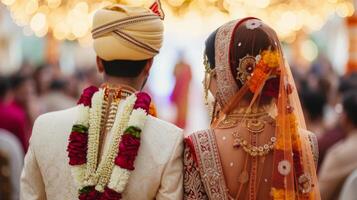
128 150
180 93
13 118
188 143
77 148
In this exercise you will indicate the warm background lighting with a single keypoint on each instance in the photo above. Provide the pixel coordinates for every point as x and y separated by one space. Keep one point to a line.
71 19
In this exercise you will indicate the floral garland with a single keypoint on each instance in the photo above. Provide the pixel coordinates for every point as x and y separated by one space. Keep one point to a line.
110 179
267 64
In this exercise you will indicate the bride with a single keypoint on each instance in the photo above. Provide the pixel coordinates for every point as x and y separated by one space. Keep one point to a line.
257 146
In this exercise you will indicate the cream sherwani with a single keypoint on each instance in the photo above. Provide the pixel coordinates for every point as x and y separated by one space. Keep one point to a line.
158 167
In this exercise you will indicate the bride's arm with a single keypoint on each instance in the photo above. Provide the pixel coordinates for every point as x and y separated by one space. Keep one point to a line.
193 186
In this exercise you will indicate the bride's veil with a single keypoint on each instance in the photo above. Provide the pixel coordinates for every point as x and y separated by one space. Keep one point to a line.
293 172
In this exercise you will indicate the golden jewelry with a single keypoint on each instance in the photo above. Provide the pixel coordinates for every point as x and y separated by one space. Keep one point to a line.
253 151
245 68
209 73
117 93
254 120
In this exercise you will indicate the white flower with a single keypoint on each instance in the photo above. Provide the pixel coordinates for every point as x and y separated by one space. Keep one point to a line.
78 174
93 134
119 179
83 115
284 167
138 118
253 24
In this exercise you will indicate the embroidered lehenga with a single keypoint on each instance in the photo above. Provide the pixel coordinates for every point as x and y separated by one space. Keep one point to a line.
257 146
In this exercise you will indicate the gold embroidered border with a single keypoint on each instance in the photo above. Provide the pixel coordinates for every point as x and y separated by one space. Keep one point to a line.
209 164
227 86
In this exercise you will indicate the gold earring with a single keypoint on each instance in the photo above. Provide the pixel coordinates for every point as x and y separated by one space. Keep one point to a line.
207 79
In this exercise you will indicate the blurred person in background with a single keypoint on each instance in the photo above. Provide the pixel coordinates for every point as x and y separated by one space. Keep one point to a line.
73 85
25 102
5 179
57 97
12 114
180 94
42 77
349 191
313 98
336 133
13 141
91 77
341 159
12 163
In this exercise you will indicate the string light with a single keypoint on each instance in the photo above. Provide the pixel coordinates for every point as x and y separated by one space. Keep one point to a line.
71 19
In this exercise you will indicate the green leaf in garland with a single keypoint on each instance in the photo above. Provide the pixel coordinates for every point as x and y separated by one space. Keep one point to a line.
86 189
134 131
79 128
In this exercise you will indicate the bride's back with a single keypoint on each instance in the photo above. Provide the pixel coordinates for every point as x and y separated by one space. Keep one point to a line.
236 163
254 148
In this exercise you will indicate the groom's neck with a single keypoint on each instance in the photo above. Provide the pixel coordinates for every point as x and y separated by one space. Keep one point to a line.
135 83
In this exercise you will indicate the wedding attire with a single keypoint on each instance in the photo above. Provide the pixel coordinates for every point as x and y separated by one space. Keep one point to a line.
110 146
47 175
257 146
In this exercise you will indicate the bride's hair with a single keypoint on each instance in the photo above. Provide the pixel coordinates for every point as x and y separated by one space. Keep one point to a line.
247 42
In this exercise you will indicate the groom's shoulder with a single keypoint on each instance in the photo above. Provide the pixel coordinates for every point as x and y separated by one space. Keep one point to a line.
57 117
54 122
162 127
162 132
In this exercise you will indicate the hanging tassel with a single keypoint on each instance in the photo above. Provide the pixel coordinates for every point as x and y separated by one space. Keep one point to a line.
157 9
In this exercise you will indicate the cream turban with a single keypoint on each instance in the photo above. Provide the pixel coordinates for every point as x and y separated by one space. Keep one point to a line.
126 33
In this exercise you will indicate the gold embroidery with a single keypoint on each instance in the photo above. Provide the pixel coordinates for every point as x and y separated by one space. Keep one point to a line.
209 164
225 78
193 186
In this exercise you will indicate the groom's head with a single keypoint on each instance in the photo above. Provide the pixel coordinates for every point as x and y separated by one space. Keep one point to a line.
126 39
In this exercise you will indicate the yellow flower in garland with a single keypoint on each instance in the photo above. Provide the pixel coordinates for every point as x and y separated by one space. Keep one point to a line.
270 58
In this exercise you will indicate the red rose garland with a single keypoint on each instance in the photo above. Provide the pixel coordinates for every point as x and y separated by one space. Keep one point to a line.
78 139
128 146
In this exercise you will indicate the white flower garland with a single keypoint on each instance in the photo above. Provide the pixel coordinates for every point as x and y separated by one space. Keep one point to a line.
107 173
93 138
121 120
78 171
83 115
78 174
120 176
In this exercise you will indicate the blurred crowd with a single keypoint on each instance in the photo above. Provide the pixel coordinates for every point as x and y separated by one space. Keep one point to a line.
25 95
329 102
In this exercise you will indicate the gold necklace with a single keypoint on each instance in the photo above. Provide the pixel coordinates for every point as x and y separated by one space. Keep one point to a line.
253 121
252 150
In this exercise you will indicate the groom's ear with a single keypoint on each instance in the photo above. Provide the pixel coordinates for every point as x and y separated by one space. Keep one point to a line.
148 66
100 66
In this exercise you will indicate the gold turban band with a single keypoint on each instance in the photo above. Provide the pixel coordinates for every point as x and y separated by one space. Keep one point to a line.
127 33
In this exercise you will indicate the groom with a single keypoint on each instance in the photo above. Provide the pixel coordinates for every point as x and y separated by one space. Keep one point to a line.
125 40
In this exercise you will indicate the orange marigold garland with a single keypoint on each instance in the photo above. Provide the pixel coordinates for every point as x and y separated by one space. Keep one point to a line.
267 65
